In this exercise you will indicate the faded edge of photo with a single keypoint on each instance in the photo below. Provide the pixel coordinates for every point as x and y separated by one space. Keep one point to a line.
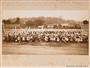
42 60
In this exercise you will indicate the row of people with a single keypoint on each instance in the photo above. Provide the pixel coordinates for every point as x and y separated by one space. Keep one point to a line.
47 36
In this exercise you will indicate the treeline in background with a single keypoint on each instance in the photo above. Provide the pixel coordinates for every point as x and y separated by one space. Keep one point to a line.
45 22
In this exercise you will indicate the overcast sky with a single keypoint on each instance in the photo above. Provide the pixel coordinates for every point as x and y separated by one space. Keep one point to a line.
66 14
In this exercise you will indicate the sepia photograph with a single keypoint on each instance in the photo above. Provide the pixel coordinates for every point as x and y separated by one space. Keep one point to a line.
44 35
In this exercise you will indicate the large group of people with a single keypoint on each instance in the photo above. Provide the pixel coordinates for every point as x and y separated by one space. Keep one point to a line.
45 36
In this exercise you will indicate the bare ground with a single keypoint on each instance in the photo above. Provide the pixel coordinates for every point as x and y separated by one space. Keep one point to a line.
42 48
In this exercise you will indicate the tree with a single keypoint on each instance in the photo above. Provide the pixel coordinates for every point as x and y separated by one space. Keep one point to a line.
29 23
17 21
85 22
38 22
6 21
77 26
3 21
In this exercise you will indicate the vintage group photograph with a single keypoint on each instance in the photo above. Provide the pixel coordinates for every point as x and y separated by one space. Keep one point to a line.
44 35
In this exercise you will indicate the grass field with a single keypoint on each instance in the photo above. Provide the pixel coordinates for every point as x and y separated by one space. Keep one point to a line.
50 48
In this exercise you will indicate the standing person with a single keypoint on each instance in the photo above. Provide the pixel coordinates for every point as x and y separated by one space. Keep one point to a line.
19 38
27 38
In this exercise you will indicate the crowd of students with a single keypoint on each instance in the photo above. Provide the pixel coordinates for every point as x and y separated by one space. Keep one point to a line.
45 36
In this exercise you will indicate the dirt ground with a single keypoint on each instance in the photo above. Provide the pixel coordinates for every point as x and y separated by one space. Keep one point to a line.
50 48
